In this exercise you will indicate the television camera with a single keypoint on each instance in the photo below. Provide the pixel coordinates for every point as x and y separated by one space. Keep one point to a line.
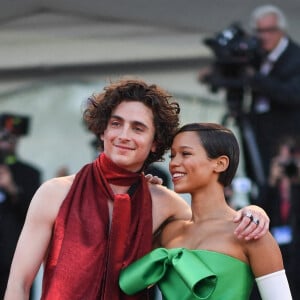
14 124
11 126
235 50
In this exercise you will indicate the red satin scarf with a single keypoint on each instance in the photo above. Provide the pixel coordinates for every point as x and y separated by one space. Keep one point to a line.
86 253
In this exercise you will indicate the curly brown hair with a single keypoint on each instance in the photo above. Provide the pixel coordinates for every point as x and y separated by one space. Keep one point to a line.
165 112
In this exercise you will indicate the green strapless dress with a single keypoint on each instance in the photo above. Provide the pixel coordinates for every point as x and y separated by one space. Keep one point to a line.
184 274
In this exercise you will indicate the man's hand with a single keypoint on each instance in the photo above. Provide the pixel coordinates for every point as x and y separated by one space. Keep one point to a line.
254 222
154 179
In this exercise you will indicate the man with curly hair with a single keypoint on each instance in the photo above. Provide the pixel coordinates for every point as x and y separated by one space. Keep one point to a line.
88 226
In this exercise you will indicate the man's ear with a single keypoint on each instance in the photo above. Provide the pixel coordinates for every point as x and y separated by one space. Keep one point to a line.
102 137
153 147
222 163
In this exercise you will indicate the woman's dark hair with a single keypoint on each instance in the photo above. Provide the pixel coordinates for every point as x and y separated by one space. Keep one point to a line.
217 140
165 113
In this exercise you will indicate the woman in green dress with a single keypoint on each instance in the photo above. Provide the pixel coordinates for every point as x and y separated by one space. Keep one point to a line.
202 258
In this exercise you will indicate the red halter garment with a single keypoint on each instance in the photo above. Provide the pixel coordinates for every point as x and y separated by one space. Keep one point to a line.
86 254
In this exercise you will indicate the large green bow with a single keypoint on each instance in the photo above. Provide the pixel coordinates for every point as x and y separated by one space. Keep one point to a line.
170 268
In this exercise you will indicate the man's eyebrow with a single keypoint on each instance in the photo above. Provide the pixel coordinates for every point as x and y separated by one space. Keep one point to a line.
116 117
136 123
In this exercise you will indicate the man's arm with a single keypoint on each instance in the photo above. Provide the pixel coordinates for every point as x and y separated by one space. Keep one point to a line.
35 238
169 205
279 91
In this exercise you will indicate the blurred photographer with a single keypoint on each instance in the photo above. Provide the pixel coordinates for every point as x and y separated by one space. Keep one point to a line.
282 205
283 174
18 182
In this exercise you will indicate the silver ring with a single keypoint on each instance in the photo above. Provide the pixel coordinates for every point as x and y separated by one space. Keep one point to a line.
249 215
255 221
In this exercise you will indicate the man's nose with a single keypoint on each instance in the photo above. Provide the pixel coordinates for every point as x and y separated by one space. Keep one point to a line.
125 133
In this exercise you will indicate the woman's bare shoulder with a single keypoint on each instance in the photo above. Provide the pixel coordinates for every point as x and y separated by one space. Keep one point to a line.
172 233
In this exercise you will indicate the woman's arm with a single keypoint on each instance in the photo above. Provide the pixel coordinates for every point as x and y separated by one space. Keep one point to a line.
267 266
274 286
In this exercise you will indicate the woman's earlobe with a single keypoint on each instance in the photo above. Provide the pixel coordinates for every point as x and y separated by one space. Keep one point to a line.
222 163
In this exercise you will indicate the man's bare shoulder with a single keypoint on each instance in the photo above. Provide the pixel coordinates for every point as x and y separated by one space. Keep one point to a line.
58 186
50 195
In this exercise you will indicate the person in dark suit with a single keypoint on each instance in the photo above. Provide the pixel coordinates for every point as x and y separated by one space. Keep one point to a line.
267 65
275 84
275 107
18 182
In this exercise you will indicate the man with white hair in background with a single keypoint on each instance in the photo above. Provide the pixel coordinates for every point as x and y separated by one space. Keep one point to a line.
275 107
276 82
